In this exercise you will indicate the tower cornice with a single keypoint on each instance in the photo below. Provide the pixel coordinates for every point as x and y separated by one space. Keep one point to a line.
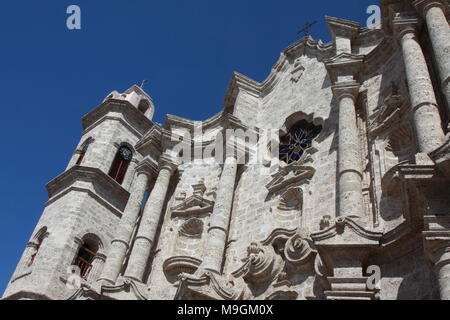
136 119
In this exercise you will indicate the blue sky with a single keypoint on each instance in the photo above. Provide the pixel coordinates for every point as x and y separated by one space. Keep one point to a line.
50 77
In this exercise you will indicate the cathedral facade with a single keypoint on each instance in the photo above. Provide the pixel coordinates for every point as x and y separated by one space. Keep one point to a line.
329 180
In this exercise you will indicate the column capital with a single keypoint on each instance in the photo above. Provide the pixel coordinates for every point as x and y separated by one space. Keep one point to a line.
346 89
344 67
406 24
423 6
167 162
147 166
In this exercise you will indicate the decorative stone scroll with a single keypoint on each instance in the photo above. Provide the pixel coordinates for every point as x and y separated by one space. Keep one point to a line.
261 264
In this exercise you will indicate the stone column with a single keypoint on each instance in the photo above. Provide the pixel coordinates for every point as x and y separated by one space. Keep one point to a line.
439 31
97 266
350 171
120 244
427 120
145 236
442 267
437 248
220 217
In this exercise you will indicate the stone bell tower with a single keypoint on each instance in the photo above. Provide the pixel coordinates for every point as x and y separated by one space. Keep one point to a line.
86 201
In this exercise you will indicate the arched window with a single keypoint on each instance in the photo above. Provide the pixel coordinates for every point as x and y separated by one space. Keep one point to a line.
298 139
36 245
85 257
120 164
143 106
82 153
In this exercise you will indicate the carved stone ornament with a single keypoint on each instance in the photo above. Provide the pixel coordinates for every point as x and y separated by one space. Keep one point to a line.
182 264
209 286
261 264
298 251
196 204
289 175
266 262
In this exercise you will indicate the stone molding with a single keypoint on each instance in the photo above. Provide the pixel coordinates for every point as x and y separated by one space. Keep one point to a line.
181 264
93 175
344 64
287 176
136 119
423 6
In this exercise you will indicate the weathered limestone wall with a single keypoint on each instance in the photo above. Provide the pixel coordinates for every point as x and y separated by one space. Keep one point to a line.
75 215
170 242
255 213
409 277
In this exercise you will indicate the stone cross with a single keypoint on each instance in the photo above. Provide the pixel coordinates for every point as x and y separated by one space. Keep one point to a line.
143 83
307 28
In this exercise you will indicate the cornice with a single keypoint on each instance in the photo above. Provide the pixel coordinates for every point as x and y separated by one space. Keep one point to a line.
133 117
346 229
404 23
347 64
93 175
151 140
423 6
342 27
348 88
148 166
176 121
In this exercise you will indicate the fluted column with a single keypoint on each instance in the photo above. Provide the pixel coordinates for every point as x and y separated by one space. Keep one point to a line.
220 217
350 171
120 244
427 120
439 31
145 236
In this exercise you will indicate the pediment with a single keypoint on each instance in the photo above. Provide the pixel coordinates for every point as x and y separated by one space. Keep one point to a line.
289 175
193 205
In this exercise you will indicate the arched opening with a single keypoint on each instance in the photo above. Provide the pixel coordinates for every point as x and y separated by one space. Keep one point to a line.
120 164
143 106
36 245
82 152
297 140
85 257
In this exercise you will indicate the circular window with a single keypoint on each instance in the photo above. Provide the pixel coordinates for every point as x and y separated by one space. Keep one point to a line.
126 153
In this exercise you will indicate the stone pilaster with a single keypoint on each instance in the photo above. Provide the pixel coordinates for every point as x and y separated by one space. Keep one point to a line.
350 171
220 217
427 120
120 244
145 236
439 31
